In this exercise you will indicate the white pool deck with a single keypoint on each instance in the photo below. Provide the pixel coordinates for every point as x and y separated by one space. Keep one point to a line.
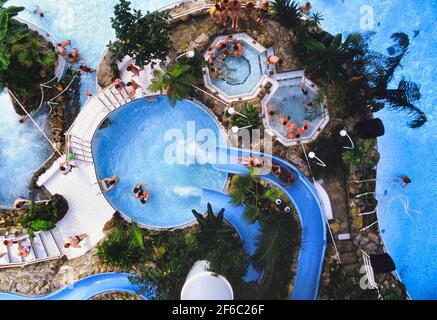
88 208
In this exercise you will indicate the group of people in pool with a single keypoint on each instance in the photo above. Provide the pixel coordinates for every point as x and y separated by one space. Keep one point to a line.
284 174
295 132
231 46
138 191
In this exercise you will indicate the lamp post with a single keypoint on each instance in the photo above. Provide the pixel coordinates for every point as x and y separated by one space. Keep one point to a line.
189 54
319 162
344 133
235 129
232 112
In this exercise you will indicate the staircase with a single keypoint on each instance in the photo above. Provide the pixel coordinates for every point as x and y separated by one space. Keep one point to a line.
94 112
43 248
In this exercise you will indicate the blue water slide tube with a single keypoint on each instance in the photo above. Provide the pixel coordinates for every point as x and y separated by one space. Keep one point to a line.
309 208
234 215
85 289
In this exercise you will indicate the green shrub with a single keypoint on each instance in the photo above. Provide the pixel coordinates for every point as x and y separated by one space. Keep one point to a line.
143 37
252 117
360 156
120 249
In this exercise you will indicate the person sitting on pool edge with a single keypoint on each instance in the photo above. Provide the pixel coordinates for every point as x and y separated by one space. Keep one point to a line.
109 183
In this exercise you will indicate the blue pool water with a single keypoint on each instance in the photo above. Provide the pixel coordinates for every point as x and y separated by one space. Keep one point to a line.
244 72
288 101
411 241
133 148
410 237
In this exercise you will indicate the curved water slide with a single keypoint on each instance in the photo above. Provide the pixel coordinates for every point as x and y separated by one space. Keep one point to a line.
85 288
309 208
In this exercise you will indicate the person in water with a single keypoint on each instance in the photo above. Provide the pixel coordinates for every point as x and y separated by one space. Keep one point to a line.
61 47
138 190
85 69
405 181
73 56
109 183
306 8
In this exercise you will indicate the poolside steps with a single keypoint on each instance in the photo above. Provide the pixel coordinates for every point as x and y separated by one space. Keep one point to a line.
43 248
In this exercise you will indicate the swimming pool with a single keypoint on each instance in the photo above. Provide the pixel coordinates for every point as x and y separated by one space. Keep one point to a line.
408 241
288 101
133 147
243 74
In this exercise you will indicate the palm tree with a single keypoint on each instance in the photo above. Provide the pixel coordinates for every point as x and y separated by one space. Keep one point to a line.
247 190
403 99
287 13
177 80
211 221
279 235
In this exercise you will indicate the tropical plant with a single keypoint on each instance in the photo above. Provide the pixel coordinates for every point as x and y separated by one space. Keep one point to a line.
251 117
316 18
177 81
287 13
142 37
361 155
249 191
359 78
23 53
279 234
43 217
123 248
329 60
10 32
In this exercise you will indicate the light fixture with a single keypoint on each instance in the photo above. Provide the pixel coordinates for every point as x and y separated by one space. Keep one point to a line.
344 133
232 112
319 162
235 129
189 54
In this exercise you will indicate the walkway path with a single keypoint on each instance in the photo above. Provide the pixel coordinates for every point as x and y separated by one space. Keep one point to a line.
88 209
310 211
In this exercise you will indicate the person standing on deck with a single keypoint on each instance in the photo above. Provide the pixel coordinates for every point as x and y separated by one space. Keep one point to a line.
235 7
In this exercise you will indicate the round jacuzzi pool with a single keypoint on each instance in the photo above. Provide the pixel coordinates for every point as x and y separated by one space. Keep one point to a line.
152 142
